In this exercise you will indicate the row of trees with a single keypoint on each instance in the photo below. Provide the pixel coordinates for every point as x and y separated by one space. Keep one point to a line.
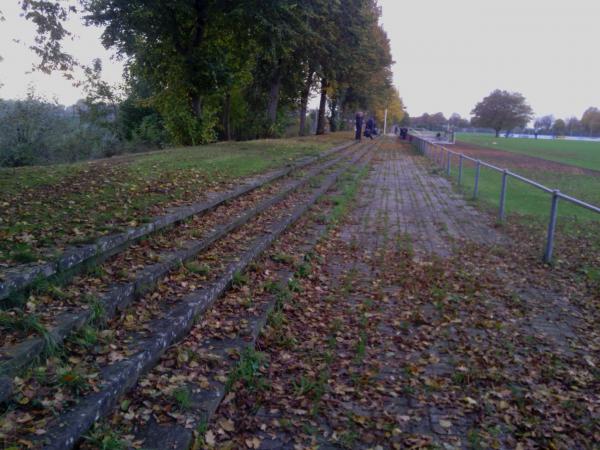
588 125
201 70
508 112
438 121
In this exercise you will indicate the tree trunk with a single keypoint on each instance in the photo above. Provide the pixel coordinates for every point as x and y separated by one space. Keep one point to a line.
273 100
344 116
333 122
322 106
196 106
227 117
304 102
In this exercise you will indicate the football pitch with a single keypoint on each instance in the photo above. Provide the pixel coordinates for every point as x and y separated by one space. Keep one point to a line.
584 154
573 167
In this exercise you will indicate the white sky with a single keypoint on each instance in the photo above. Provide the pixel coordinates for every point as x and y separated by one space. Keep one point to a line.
19 59
449 53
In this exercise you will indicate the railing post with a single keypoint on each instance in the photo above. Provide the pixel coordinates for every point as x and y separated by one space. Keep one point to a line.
449 162
551 227
501 212
477 172
460 168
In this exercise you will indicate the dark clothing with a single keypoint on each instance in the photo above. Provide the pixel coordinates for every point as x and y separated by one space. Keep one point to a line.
359 124
370 128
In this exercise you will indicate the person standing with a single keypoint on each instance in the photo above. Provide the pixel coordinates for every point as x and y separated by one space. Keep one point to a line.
359 124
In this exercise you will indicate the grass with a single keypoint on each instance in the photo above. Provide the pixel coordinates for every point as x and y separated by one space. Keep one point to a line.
197 268
342 202
73 381
248 372
28 323
47 206
576 153
183 398
97 316
239 279
104 438
527 200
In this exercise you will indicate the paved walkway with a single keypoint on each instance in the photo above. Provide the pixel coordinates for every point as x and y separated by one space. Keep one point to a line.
416 331
401 197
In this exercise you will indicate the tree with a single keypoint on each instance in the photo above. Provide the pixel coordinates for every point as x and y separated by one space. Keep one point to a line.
574 126
456 121
559 128
231 68
174 46
48 17
544 123
591 120
395 107
438 120
502 110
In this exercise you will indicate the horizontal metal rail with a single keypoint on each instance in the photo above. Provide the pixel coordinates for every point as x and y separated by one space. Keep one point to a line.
443 157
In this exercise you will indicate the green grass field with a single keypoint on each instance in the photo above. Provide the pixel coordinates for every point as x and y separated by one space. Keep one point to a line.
526 200
576 153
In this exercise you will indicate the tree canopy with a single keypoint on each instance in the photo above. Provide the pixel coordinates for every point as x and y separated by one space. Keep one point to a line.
502 110
233 68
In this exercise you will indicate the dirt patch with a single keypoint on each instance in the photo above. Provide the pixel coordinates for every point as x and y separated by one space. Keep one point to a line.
511 160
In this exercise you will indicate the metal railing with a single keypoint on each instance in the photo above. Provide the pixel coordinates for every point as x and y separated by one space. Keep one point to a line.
443 157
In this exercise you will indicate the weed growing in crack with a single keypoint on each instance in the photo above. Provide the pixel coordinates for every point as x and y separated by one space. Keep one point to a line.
312 256
29 323
331 342
97 316
103 438
95 270
182 397
274 287
197 268
248 372
276 319
303 386
348 439
285 341
303 270
283 258
86 337
72 380
361 347
294 285
474 440
40 375
201 430
239 279
24 255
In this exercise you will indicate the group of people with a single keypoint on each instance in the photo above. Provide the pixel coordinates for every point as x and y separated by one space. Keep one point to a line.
370 128
401 132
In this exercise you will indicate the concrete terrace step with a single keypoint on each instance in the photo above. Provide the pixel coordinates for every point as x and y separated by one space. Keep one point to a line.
119 377
120 295
19 278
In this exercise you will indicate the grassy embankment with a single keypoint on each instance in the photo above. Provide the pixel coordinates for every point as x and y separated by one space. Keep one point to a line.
51 206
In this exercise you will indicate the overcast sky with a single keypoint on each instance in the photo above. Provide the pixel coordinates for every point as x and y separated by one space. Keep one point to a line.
449 54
